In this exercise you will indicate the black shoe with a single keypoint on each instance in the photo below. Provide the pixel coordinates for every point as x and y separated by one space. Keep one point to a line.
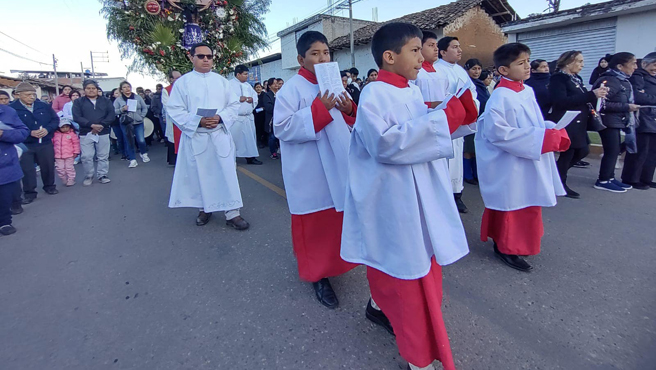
16 209
52 191
512 260
378 317
253 161
203 218
28 200
472 181
581 164
652 185
462 208
7 230
325 293
572 194
638 185
238 223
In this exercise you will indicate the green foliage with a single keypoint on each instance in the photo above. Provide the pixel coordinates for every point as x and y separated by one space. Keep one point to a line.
233 28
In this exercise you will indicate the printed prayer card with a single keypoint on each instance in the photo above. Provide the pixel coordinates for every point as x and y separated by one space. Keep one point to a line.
329 78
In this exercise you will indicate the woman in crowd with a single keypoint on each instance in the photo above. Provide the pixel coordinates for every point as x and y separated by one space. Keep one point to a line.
601 68
258 113
116 128
62 99
639 167
617 113
539 81
474 68
132 123
568 93
269 102
372 75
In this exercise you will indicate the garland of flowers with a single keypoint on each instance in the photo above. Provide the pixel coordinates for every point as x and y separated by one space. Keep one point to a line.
154 32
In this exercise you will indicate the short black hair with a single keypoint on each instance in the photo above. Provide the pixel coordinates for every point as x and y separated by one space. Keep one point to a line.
240 69
2 92
443 44
270 82
427 36
192 51
307 39
471 63
484 75
257 83
536 63
392 36
620 58
90 82
508 53
343 74
159 85
354 71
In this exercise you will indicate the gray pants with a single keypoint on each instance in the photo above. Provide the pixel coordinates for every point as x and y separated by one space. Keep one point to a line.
100 150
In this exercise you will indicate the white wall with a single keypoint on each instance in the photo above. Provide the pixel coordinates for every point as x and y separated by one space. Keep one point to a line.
288 45
636 33
364 61
274 69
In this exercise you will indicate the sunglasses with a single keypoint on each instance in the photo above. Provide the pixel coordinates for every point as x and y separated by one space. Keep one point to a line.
205 56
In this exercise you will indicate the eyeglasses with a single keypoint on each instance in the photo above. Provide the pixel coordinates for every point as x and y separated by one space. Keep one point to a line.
205 56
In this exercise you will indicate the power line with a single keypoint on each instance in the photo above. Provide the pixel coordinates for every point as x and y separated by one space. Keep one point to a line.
22 57
24 44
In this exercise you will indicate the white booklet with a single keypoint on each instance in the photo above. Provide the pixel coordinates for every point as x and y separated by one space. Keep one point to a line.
206 112
329 78
568 117
132 105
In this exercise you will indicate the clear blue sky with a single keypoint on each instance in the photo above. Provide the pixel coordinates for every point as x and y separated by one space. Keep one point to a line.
71 28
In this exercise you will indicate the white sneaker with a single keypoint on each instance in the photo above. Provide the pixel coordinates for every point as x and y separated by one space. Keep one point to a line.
145 158
133 163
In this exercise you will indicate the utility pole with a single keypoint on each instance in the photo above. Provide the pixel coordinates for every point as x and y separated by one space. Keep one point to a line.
54 66
350 2
98 57
93 71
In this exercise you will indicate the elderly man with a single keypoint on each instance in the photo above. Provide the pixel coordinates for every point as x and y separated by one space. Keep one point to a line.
42 122
12 131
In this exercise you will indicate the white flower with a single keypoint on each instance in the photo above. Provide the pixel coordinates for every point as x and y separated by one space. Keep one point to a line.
169 18
232 12
220 12
158 43
181 30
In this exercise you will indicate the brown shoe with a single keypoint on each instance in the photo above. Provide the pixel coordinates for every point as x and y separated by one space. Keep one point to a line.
238 223
203 218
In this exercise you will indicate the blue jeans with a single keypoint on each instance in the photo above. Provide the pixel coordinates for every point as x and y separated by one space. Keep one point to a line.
120 140
130 138
273 143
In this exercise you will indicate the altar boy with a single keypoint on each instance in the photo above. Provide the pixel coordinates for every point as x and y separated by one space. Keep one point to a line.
399 217
517 170
313 128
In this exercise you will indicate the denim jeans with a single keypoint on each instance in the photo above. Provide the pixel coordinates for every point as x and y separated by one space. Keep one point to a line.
273 143
130 139
120 140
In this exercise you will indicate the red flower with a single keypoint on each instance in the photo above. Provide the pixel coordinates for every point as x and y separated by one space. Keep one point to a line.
161 52
131 28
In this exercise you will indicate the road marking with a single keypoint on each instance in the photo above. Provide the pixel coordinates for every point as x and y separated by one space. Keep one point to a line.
262 181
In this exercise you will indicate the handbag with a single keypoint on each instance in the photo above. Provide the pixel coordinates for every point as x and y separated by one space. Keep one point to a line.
124 119
594 120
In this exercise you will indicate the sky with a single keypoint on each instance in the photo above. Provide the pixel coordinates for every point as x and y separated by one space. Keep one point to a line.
70 29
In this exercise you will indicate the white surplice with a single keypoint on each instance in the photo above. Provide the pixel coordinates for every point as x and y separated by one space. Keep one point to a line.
243 130
313 164
512 171
205 173
167 119
399 208
450 77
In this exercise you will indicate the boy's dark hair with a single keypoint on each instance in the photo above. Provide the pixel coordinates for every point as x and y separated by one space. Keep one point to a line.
536 63
2 92
240 69
484 75
354 71
620 58
192 51
443 44
427 36
392 36
508 53
307 39
342 74
471 63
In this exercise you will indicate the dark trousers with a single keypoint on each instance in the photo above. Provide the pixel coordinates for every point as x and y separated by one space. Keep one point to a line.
610 140
17 198
6 195
567 159
640 166
274 143
44 156
261 135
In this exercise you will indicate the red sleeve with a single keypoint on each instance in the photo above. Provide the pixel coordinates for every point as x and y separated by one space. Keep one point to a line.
350 120
551 141
428 104
455 114
565 142
320 115
467 100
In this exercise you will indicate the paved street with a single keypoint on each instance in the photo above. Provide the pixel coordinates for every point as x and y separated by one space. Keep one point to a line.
107 277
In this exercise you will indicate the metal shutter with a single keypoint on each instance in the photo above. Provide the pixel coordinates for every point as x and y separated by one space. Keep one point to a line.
595 39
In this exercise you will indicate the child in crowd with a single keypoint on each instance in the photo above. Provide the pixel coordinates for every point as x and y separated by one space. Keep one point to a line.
67 147
517 171
400 146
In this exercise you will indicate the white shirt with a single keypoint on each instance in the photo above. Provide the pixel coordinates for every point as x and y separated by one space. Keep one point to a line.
512 172
313 164
399 209
244 89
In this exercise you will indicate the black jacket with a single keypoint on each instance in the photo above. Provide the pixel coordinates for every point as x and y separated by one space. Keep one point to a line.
644 91
269 103
615 111
482 94
596 73
540 82
354 92
85 113
568 93
42 115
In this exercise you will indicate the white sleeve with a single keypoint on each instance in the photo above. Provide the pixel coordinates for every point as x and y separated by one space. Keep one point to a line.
523 142
291 124
231 109
176 108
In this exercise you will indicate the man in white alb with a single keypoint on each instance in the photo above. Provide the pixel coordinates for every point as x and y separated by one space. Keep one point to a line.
243 130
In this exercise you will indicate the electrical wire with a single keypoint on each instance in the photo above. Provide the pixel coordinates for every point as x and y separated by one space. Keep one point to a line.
22 57
22 43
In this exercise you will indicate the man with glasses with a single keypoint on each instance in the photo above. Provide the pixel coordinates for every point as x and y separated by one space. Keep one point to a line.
42 121
204 108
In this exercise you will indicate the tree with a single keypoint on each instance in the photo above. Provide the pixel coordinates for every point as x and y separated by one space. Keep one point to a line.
158 34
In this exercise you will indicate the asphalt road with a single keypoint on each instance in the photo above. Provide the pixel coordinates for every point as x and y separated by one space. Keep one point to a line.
107 277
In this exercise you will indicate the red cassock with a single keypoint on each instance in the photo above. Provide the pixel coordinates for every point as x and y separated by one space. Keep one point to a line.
414 308
176 131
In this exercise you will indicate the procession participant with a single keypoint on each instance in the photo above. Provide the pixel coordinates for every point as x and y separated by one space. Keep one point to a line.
243 130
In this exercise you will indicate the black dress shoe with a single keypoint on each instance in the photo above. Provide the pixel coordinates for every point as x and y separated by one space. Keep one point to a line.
571 193
203 218
512 260
28 200
325 293
462 208
7 230
581 164
378 317
652 185
52 191
637 185
238 223
16 209
253 161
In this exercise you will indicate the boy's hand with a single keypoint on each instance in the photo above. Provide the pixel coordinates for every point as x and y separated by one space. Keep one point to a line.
328 101
344 104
